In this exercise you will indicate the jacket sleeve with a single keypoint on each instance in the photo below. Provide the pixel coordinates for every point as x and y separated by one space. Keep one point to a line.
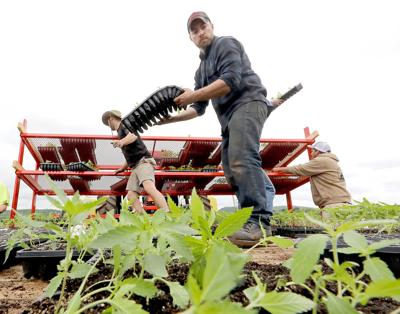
229 62
311 168
199 106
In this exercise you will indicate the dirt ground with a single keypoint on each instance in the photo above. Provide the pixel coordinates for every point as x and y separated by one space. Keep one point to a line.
17 292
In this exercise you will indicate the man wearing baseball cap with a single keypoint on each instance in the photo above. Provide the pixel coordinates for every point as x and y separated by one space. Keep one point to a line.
239 99
328 186
138 158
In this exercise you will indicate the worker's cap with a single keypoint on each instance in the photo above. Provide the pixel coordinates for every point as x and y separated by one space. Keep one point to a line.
322 147
108 114
197 15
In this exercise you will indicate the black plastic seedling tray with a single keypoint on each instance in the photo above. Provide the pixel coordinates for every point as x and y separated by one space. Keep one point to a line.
390 254
291 92
43 264
79 166
297 232
51 166
155 107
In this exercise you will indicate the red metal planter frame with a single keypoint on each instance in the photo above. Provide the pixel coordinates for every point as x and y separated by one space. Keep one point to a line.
199 152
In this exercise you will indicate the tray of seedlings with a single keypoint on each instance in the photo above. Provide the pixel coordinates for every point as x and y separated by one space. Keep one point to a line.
41 260
154 108
390 253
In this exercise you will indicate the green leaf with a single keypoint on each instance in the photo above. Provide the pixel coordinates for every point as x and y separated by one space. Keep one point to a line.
306 256
59 192
355 240
197 246
53 285
221 273
194 290
283 243
285 303
74 303
204 228
122 235
383 289
179 246
381 244
55 202
196 207
377 269
155 265
338 305
348 250
124 306
78 207
142 287
173 227
179 294
233 222
128 218
224 307
317 222
80 270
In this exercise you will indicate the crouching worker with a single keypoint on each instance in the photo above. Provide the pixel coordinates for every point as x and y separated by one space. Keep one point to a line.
4 197
139 159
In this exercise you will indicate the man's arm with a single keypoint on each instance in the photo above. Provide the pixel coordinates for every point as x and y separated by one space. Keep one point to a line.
187 114
128 139
122 168
216 89
281 169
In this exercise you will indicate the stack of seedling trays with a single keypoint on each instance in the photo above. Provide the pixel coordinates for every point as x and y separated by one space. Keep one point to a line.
155 107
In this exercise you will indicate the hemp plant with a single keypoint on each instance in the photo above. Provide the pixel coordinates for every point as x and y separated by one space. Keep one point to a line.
351 289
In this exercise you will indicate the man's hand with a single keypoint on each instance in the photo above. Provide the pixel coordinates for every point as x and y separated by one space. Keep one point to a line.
166 120
276 102
117 143
122 169
186 98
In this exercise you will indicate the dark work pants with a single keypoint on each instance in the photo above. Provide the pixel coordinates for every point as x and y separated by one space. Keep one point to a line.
242 163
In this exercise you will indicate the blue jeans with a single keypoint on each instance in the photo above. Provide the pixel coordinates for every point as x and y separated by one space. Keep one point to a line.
242 162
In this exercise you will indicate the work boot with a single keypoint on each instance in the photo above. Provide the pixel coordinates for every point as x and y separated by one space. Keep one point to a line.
249 235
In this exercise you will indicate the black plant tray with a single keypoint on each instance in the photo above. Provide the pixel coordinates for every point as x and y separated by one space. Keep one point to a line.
371 238
296 232
79 166
51 166
209 170
291 92
43 264
154 107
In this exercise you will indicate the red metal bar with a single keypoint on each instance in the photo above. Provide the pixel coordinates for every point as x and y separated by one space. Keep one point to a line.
154 138
17 181
289 201
33 208
307 135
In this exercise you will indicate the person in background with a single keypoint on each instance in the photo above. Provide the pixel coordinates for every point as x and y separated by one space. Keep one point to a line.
139 159
328 186
4 197
239 99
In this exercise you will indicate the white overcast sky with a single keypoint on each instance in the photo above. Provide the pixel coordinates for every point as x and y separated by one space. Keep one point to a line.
63 63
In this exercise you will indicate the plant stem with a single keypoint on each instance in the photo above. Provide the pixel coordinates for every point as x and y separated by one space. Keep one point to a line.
67 263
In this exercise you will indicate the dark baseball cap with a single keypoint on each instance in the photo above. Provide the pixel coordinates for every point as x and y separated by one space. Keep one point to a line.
197 15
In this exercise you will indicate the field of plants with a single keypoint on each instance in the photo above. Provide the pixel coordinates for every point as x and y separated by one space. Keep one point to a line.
183 262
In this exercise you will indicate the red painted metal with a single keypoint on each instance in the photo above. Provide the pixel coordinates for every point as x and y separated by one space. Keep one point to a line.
17 181
289 202
174 183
